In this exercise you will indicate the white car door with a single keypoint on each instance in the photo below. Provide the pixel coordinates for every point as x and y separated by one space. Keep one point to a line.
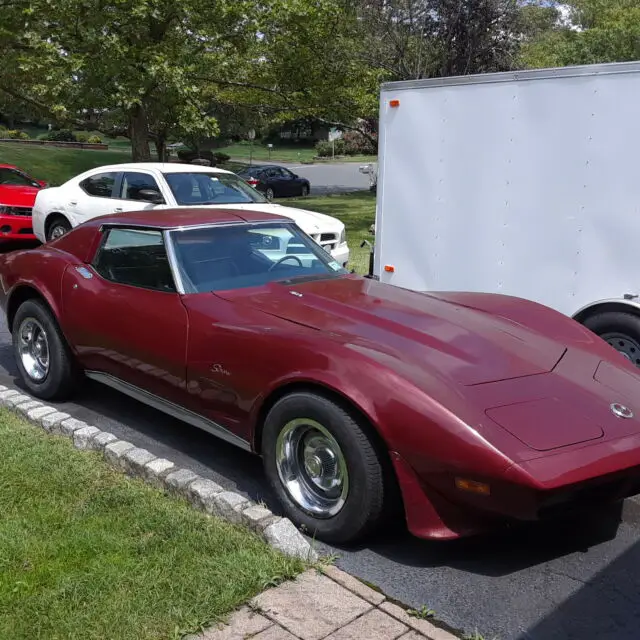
134 192
90 198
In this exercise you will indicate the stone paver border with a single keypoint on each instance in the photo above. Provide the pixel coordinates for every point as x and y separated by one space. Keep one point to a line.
323 604
202 493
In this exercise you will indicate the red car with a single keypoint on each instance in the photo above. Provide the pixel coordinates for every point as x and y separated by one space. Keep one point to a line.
467 409
17 196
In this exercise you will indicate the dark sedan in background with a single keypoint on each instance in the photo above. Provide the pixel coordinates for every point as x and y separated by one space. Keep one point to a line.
275 182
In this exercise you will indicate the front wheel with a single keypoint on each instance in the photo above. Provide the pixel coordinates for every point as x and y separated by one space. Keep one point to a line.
58 228
42 355
323 467
621 330
305 191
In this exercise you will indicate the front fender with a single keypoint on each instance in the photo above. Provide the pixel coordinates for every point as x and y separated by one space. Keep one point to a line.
533 315
419 425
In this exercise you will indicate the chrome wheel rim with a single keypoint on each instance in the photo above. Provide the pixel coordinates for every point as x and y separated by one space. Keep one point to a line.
312 467
34 349
269 194
57 231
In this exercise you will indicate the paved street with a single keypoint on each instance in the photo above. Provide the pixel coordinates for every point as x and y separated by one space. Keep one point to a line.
578 580
330 178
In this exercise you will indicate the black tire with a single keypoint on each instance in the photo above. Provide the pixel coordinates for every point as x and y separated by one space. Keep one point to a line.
621 330
61 377
269 193
58 227
305 191
364 504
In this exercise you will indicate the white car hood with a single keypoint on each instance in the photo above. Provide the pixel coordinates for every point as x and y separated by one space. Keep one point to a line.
309 221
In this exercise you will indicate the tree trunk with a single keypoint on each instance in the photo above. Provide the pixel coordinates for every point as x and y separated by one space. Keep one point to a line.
139 134
161 148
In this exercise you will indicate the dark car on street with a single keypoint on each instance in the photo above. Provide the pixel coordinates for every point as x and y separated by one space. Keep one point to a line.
275 182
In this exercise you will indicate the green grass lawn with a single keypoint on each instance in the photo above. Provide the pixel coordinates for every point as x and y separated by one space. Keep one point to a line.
55 164
87 553
357 211
241 151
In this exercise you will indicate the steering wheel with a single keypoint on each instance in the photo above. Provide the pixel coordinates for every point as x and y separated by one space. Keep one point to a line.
275 264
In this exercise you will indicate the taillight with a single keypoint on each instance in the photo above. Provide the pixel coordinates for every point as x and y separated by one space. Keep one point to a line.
253 182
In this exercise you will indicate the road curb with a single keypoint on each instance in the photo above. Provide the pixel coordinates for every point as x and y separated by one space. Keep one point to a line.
201 493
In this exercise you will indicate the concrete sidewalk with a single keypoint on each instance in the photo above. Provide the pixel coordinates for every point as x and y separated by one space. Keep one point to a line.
315 606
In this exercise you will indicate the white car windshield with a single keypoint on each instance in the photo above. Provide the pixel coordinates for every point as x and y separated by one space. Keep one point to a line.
234 256
200 188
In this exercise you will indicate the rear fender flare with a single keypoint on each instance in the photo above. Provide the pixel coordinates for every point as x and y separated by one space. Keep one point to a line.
24 291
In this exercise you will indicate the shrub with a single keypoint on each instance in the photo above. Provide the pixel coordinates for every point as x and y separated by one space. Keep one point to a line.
62 135
81 136
325 149
15 134
94 140
220 158
188 155
355 144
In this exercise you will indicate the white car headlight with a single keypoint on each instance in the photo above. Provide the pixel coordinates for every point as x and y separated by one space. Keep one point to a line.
343 236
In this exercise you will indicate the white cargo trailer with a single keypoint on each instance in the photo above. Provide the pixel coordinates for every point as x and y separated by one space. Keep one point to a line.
525 184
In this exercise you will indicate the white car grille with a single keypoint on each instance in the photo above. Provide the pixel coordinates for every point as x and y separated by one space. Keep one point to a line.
15 211
328 241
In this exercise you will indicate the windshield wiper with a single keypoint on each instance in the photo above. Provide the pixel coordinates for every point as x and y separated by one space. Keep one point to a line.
307 278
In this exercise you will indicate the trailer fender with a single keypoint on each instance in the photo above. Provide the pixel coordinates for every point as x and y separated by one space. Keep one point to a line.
620 305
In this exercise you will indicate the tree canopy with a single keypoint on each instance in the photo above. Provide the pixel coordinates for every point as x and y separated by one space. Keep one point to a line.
157 70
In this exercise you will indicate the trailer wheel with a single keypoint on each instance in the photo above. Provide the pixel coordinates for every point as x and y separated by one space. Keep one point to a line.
621 330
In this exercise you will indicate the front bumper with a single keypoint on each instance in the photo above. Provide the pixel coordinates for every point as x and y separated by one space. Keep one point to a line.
341 254
435 509
16 228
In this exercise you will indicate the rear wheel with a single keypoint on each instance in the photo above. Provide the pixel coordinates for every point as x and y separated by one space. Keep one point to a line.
269 193
621 330
323 467
43 357
58 227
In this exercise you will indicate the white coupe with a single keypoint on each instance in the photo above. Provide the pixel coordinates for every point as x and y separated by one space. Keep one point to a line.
149 185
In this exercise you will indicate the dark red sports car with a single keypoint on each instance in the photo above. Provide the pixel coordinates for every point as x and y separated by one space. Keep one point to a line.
468 409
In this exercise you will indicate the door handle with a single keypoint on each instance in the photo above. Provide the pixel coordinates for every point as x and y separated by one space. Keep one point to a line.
118 209
73 203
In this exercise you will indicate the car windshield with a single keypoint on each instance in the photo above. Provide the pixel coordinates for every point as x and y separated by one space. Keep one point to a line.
224 257
15 178
202 188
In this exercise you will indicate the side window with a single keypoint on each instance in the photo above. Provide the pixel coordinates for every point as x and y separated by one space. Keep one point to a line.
12 177
272 173
135 257
133 183
99 185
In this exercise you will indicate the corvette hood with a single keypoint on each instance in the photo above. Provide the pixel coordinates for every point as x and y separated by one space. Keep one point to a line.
469 346
17 196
